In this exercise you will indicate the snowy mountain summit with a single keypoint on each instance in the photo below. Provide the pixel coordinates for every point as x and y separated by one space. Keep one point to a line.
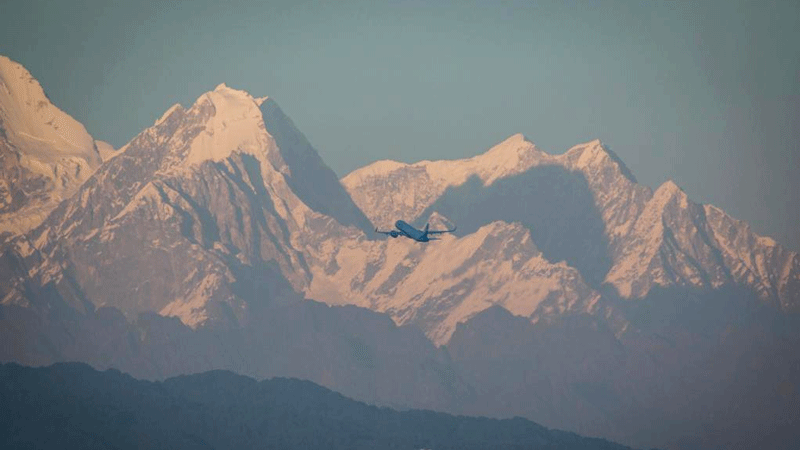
388 190
194 203
44 153
641 238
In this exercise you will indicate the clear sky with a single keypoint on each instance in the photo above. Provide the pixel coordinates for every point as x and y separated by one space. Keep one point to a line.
704 93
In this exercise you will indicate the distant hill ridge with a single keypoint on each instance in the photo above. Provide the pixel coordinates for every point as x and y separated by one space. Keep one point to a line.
70 405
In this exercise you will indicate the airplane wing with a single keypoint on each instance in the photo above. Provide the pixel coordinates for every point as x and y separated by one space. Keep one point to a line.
392 233
441 231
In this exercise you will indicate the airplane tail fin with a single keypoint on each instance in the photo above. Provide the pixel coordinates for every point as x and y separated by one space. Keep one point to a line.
426 228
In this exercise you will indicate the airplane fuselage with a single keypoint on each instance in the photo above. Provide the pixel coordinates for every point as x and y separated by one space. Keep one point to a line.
402 228
410 232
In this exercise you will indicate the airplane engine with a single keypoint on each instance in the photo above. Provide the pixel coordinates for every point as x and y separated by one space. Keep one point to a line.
394 234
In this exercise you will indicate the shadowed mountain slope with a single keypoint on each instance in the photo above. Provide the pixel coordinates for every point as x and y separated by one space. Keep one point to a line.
558 209
308 176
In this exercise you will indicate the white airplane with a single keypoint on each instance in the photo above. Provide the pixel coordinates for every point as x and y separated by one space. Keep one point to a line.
404 229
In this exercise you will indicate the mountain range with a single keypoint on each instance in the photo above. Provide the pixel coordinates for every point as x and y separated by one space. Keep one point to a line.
571 295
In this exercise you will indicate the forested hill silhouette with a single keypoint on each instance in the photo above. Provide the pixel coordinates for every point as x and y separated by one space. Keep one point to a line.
70 405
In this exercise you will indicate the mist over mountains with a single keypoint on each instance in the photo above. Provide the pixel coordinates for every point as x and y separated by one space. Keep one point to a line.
571 295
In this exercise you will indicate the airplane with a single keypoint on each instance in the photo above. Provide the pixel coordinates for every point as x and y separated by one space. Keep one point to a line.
404 229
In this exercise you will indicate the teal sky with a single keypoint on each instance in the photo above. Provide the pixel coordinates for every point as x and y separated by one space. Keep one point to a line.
705 94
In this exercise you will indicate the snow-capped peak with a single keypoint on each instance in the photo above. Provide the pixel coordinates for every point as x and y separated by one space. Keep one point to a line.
514 155
511 144
587 154
52 152
425 181
228 101
670 187
669 191
595 155
33 124
234 124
